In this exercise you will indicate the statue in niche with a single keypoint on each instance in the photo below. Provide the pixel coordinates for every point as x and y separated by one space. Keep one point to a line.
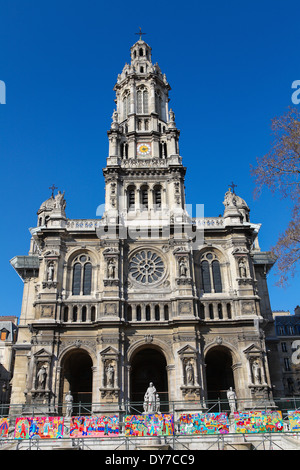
110 373
111 270
150 399
256 370
69 402
189 372
242 268
50 272
231 397
41 377
182 267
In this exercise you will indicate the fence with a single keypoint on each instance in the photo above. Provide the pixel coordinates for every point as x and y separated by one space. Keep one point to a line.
177 439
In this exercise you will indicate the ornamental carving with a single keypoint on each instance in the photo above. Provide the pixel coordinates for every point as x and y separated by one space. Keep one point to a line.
146 267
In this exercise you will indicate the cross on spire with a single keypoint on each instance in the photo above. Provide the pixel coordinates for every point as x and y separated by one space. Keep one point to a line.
232 186
53 187
140 33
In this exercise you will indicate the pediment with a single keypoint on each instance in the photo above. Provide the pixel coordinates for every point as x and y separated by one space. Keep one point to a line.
110 350
252 350
42 353
188 349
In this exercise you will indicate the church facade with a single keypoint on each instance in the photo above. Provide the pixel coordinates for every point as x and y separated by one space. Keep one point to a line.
146 293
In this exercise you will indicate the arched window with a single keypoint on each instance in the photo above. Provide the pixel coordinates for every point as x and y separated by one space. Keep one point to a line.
157 198
82 276
144 197
148 313
158 103
142 101
131 198
211 273
157 314
166 312
126 105
76 279
205 276
138 313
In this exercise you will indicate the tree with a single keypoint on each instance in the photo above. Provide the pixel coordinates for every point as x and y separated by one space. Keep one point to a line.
279 170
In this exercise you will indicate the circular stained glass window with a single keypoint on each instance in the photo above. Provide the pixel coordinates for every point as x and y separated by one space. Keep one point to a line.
146 267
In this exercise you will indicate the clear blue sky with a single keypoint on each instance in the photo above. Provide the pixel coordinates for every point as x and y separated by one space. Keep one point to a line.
230 64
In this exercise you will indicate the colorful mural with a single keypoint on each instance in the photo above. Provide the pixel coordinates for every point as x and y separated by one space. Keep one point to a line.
45 427
203 423
94 426
294 420
4 427
258 421
149 425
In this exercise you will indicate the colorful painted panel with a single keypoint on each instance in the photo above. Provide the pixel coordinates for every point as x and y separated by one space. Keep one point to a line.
203 423
258 421
294 420
4 426
94 426
44 427
149 425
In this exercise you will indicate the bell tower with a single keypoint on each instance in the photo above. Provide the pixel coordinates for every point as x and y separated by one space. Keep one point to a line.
144 172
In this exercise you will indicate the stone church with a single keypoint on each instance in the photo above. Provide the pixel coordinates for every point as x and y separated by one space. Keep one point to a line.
144 293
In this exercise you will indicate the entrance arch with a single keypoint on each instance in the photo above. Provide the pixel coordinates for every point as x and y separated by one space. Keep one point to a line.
77 376
219 374
148 365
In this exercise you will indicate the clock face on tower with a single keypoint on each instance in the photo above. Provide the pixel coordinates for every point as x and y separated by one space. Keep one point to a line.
144 149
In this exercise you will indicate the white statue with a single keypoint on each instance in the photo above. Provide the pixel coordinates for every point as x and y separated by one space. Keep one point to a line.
50 272
231 397
69 402
42 376
150 399
189 370
110 372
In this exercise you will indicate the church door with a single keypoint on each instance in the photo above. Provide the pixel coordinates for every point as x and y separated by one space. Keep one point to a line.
219 375
76 376
148 365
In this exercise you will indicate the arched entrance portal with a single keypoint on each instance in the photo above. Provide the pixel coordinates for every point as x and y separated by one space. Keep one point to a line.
219 375
148 365
76 375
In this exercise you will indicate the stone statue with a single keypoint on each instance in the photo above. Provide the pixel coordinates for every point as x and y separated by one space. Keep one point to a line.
50 272
182 268
110 373
150 399
60 202
242 268
157 403
42 376
256 369
231 397
69 402
189 370
111 269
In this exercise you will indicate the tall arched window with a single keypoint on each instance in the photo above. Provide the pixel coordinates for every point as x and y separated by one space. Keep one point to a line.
142 101
157 197
131 198
126 105
211 273
82 276
144 197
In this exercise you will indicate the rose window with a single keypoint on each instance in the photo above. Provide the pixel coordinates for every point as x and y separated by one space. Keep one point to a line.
146 267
